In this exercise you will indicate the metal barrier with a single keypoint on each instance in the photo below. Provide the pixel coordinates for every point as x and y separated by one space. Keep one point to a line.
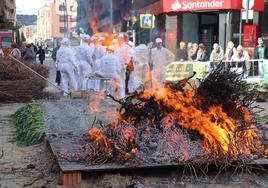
253 70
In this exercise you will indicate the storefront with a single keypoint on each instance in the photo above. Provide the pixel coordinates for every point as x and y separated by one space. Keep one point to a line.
200 21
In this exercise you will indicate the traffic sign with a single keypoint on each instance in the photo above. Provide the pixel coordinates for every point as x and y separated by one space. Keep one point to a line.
248 4
247 14
147 21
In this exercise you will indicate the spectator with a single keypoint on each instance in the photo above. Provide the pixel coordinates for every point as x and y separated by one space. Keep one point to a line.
42 54
242 61
261 53
192 53
230 51
216 55
202 53
15 51
189 49
182 54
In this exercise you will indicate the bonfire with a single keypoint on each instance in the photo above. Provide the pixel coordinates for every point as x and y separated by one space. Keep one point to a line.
181 124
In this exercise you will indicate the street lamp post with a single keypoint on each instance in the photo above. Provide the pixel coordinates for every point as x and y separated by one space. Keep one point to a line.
112 16
66 20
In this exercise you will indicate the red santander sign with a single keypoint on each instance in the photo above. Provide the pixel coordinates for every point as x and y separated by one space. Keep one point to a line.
200 5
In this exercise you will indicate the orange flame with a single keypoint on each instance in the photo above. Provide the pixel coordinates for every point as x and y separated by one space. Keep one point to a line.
218 129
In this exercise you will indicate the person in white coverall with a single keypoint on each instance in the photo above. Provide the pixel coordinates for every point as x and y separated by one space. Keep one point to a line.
111 66
84 54
160 57
98 53
67 66
139 76
123 51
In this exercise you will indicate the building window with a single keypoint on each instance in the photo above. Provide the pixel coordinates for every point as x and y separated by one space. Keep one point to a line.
73 19
63 18
62 8
62 29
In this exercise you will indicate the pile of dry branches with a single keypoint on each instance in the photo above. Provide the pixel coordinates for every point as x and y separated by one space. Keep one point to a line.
174 124
18 84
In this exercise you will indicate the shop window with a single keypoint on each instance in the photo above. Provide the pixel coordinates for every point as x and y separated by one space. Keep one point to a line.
62 29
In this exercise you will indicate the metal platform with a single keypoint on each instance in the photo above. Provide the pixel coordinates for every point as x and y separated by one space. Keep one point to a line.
63 134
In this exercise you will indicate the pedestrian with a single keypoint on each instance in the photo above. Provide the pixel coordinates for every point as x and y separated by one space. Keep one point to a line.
84 54
42 54
68 66
54 57
182 54
23 49
202 53
260 53
2 55
216 56
112 67
34 48
15 51
159 57
241 57
29 54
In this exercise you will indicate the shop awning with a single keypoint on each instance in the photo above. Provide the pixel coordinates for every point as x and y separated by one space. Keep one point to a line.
167 6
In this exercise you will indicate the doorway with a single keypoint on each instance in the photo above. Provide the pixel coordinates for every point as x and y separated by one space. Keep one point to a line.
208 29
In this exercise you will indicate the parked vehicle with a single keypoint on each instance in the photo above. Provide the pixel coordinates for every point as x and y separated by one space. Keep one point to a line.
6 40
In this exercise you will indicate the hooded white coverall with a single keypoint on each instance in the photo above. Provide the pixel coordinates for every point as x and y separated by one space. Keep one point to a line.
123 51
139 76
160 58
84 53
112 67
67 65
98 53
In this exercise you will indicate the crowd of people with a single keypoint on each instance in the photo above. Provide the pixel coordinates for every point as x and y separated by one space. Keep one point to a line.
234 57
126 67
86 66
27 52
198 52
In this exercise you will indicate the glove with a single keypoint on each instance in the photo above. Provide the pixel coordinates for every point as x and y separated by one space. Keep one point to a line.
151 66
76 69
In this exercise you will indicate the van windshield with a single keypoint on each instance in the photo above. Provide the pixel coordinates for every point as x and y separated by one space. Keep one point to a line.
6 42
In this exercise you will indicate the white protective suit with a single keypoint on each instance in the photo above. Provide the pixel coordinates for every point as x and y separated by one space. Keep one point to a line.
68 66
84 54
123 51
139 76
112 67
98 53
160 58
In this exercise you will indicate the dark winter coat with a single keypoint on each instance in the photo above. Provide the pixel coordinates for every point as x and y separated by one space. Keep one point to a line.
42 54
256 52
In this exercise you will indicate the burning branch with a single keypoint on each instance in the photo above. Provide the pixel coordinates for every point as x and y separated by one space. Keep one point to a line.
178 124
